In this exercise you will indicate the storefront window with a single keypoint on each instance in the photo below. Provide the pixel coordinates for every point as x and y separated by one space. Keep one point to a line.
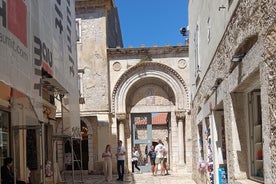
256 148
4 136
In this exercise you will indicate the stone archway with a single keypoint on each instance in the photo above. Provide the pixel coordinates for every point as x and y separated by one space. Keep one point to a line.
159 75
150 70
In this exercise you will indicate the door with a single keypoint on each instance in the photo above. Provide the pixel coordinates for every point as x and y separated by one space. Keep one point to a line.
142 138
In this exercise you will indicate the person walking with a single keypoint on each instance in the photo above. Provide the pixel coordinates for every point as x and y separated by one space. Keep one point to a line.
134 159
159 150
121 151
107 165
152 156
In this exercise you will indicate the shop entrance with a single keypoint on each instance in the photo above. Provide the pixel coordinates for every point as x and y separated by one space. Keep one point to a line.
35 151
142 137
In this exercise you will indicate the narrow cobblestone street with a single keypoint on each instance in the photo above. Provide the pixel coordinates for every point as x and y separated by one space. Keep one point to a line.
144 178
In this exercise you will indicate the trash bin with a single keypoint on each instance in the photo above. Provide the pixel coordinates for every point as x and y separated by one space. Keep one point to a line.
222 172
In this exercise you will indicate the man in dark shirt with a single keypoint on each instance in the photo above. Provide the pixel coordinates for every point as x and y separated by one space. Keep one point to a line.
6 172
152 156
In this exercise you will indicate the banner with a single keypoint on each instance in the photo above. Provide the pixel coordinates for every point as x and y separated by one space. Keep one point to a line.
38 41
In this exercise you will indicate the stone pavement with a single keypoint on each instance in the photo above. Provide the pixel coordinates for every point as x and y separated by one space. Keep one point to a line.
136 178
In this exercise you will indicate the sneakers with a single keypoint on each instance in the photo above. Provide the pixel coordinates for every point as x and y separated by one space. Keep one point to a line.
140 172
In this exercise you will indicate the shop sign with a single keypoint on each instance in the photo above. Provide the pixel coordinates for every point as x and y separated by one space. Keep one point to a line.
42 55
14 20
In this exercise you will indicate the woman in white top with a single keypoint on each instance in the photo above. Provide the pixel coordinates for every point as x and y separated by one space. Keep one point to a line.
107 165
134 160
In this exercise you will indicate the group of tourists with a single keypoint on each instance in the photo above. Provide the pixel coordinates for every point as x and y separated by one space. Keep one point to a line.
157 156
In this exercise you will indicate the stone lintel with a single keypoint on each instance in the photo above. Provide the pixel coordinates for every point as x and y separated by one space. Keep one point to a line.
146 51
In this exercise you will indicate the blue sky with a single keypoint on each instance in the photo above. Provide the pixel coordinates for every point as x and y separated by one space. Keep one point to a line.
152 22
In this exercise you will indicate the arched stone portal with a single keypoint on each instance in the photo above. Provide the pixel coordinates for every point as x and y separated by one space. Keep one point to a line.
131 95
146 71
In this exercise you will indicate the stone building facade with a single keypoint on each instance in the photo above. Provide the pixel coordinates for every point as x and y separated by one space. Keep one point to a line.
120 85
147 80
98 28
232 63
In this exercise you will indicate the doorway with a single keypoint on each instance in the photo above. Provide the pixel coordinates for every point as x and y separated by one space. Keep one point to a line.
256 138
142 137
84 142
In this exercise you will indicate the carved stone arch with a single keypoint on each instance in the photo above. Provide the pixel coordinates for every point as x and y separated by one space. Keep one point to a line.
150 70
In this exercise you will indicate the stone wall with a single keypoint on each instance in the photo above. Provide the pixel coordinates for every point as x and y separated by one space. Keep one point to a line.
270 75
251 18
92 59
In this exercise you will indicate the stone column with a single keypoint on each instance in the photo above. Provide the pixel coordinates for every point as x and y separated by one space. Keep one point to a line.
173 154
90 151
180 121
188 153
121 117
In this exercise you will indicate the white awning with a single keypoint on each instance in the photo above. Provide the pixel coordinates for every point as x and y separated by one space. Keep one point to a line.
52 85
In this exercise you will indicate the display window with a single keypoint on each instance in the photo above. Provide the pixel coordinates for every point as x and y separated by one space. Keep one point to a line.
4 135
256 146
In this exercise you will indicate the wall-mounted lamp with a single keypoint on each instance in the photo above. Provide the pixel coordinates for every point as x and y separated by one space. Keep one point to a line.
238 58
184 31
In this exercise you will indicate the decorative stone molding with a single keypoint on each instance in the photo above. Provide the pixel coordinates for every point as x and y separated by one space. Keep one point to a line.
121 116
142 69
150 51
117 66
182 63
180 115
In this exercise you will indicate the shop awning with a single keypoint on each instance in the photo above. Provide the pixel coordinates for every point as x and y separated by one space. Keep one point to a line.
52 85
